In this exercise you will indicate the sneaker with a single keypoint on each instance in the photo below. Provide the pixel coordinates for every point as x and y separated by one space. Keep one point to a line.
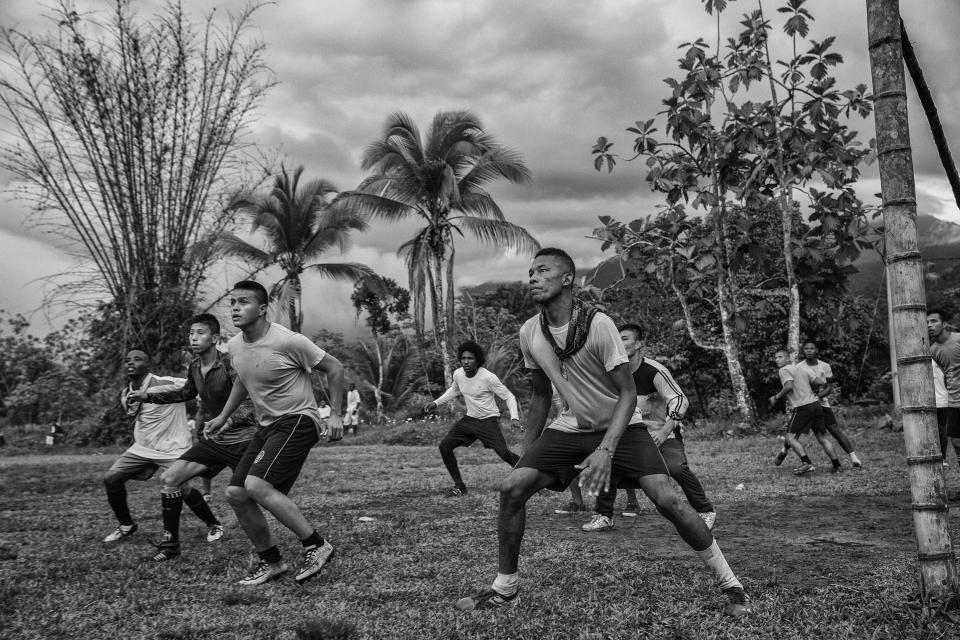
167 551
709 518
738 602
488 599
214 532
598 523
313 561
207 498
858 465
456 492
804 468
780 458
836 469
631 511
264 572
121 533
571 507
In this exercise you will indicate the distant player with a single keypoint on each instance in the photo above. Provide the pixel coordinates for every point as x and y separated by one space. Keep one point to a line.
479 388
160 436
273 366
209 376
351 419
806 414
945 349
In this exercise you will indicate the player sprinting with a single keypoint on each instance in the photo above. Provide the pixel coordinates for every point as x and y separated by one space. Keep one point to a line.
273 366
209 376
579 350
160 436
479 388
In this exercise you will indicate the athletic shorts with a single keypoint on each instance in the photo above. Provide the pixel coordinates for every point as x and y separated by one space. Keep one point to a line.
215 456
467 430
829 417
276 453
805 418
950 418
136 467
351 418
556 452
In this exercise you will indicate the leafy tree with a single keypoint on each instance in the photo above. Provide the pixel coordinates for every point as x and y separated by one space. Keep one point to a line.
299 224
126 130
391 369
440 179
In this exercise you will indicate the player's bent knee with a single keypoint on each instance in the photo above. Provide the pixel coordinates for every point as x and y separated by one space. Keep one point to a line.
447 446
113 481
236 495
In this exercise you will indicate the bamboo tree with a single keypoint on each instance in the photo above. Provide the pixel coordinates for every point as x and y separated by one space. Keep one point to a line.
938 571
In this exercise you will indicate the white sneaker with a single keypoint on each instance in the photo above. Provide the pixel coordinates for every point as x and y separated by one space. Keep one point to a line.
313 561
631 511
264 572
598 523
214 532
708 518
121 533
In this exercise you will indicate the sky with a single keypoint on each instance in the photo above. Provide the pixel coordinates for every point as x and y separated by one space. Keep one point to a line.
546 78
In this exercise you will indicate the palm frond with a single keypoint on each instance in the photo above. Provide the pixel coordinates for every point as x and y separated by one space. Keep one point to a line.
499 233
375 205
498 162
230 245
341 270
480 204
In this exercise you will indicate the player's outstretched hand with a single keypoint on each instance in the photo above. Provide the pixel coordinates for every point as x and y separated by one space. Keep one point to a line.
595 476
214 426
430 407
334 427
137 396
516 424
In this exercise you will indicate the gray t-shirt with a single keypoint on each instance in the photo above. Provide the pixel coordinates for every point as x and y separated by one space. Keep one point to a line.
947 355
803 380
275 370
820 370
588 392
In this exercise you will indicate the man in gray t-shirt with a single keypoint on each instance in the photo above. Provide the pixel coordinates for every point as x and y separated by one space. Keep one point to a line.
945 350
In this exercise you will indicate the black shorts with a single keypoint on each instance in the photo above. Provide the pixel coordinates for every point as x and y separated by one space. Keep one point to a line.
556 452
276 453
215 456
829 417
950 418
467 430
805 418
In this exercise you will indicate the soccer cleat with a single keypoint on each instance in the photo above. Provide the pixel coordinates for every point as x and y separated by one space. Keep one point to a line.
780 458
457 491
313 561
207 498
631 510
804 468
571 507
857 465
738 602
214 532
264 572
122 532
598 523
167 551
709 518
488 599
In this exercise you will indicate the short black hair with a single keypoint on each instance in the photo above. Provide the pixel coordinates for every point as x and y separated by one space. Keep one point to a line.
561 255
471 347
782 350
208 319
808 341
256 287
634 327
936 311
141 348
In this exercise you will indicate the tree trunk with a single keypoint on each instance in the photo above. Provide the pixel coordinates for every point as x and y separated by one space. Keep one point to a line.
440 330
938 571
731 351
378 391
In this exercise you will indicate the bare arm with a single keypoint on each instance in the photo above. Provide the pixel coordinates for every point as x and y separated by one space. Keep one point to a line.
333 370
596 467
238 393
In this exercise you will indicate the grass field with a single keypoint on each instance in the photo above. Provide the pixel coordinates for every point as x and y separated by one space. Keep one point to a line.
823 556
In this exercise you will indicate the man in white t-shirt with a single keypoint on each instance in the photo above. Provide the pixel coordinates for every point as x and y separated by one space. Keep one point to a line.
351 419
945 350
579 351
479 388
160 436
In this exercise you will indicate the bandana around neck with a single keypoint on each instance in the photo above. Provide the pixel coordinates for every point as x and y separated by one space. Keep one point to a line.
581 315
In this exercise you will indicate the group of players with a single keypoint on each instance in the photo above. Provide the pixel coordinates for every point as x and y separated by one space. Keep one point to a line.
617 424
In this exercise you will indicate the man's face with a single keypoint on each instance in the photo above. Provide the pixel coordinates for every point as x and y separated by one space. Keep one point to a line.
781 358
201 338
547 278
630 342
934 325
810 351
137 363
469 363
245 309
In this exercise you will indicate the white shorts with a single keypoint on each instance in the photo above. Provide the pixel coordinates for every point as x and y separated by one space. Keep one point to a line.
351 418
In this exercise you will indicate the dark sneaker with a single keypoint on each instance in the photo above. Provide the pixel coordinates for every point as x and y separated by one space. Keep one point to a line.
804 468
264 572
456 492
313 561
738 602
167 551
571 507
858 465
780 458
488 599
121 533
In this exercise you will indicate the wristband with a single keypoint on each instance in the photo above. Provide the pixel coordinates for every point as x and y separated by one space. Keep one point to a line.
606 449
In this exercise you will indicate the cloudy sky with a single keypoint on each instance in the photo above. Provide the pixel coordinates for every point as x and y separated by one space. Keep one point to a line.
546 78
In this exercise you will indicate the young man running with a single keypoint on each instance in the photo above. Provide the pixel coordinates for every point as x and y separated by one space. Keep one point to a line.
806 412
273 366
579 350
160 436
945 349
351 419
662 405
209 376
820 369
479 388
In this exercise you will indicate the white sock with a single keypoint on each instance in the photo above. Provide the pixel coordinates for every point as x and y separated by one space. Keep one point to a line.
506 584
713 558
853 458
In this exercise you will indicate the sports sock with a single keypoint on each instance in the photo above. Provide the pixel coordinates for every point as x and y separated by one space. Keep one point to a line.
199 506
506 584
271 555
117 497
713 558
853 458
312 541
805 460
171 502
835 462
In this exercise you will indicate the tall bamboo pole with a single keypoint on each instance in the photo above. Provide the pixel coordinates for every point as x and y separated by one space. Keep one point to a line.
938 571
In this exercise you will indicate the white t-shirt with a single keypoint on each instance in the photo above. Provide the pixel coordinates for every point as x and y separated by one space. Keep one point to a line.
802 392
353 400
160 431
324 412
940 387
478 394
819 370
588 393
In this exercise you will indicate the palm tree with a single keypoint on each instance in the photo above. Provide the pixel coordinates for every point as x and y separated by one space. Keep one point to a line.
299 223
440 180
